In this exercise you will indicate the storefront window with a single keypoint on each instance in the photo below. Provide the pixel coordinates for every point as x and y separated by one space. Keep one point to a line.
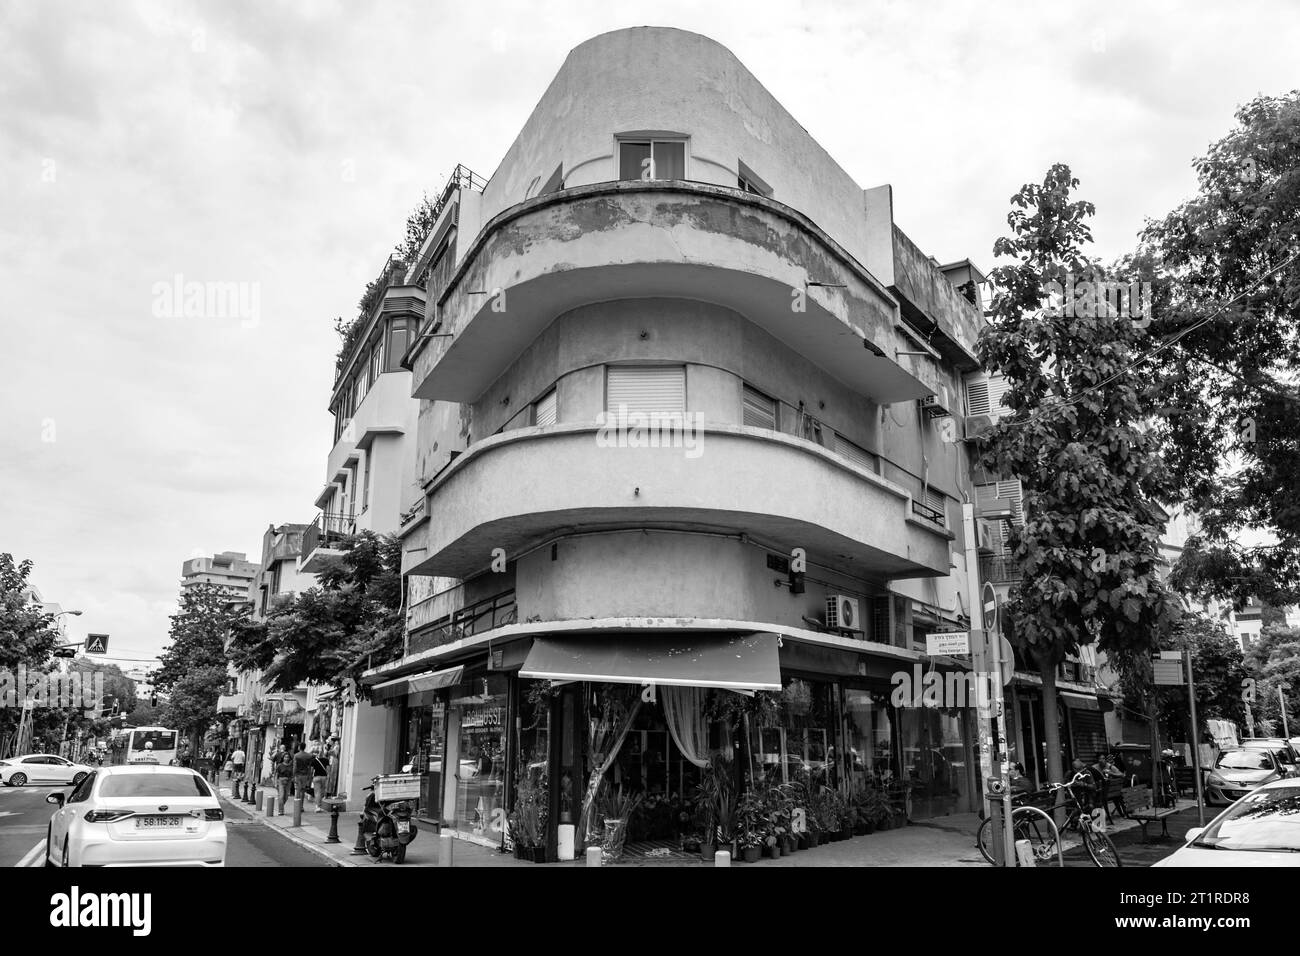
936 759
870 739
798 736
478 710
422 752
531 804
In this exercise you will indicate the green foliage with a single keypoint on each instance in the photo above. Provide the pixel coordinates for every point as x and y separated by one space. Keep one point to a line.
1226 258
331 633
1274 662
27 634
192 670
1091 474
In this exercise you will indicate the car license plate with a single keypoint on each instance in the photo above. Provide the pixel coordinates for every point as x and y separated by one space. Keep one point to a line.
157 823
403 826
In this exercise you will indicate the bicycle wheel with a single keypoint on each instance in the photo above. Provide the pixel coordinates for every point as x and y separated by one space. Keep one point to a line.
1101 849
1030 826
982 839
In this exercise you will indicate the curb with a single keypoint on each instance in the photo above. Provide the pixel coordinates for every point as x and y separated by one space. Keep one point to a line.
305 844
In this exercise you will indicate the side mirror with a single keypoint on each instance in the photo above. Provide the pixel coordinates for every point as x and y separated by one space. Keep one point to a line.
55 798
1193 833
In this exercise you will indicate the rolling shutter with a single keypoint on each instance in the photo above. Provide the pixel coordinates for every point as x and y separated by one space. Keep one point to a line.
859 456
544 410
646 388
759 411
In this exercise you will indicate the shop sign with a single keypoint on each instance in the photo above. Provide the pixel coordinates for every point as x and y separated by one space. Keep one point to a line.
398 786
947 642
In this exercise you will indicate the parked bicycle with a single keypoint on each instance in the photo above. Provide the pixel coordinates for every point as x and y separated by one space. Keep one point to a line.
1030 826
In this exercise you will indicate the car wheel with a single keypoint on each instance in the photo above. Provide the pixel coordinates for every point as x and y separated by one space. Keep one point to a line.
77 778
49 835
18 780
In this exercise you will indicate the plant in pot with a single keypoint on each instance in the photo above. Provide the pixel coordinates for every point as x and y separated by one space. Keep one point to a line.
828 813
843 811
706 814
873 809
617 806
751 826
725 802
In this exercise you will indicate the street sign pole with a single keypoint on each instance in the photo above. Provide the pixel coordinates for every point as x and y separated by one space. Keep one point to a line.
1196 737
1281 700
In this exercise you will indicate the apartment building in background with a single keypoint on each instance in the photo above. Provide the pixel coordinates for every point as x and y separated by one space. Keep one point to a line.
229 570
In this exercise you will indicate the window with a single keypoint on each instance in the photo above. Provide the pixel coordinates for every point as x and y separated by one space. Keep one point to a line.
652 159
750 183
880 620
398 342
855 453
154 785
275 578
365 490
555 183
544 409
984 395
82 791
376 359
758 410
646 389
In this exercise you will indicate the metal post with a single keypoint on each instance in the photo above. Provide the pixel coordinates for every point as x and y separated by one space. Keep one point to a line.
1196 736
297 810
334 824
1281 699
445 842
360 847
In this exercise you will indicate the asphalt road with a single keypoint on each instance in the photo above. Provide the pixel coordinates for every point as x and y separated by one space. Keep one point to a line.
24 815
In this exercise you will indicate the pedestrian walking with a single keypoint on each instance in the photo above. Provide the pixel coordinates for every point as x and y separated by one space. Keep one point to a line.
319 773
237 764
303 762
283 775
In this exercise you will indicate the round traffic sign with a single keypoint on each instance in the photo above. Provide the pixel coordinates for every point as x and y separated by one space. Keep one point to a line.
989 600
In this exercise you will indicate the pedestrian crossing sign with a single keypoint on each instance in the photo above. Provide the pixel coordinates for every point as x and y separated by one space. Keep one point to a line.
96 643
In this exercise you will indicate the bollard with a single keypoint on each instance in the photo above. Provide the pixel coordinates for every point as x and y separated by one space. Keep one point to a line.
722 858
593 856
1025 853
445 842
334 824
297 810
360 847
270 804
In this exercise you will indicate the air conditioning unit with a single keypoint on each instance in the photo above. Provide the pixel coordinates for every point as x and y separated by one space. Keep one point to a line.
987 538
938 405
842 613
977 425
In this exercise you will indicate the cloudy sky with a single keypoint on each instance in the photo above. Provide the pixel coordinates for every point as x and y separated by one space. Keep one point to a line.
280 145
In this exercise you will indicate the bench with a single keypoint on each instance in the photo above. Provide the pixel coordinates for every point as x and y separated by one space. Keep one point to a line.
1138 802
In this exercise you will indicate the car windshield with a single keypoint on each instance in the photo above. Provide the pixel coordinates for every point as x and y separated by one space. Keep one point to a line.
154 785
1265 820
161 739
1245 760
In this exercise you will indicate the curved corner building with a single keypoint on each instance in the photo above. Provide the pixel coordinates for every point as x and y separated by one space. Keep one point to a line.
686 433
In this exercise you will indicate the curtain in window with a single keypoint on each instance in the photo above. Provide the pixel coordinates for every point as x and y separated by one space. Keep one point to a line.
610 720
684 714
670 160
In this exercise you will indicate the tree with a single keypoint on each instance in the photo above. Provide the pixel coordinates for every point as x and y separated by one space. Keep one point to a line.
1274 662
1229 263
192 670
329 634
27 633
1218 669
1092 480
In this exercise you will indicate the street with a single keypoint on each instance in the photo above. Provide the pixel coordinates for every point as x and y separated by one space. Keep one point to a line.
24 815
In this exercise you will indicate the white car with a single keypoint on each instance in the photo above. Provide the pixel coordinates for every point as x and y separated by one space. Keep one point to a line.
1260 829
41 769
137 816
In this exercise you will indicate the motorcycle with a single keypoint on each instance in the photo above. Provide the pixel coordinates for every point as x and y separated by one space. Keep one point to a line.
387 828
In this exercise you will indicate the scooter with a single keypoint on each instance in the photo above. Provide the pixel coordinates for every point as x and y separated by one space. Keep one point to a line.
387 827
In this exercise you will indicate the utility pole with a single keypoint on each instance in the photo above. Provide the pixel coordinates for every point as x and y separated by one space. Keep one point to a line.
1281 700
1196 736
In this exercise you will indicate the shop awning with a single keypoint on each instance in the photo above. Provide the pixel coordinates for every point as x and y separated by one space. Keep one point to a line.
1079 701
418 684
730 661
229 703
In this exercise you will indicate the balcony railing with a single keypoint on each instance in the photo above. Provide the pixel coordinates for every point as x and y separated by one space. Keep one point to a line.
998 569
328 531
926 513
483 615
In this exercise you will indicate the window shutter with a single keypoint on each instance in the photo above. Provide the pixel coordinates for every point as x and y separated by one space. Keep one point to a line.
544 410
977 396
646 388
997 387
759 411
859 456
936 499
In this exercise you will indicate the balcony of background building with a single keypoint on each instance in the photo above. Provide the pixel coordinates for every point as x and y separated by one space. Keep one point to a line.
325 540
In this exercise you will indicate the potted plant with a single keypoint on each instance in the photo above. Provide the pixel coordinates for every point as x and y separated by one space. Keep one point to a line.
873 809
843 811
617 807
751 826
723 784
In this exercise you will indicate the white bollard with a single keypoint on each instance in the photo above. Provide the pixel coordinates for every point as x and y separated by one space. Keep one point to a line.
722 858
445 843
593 856
565 842
1025 853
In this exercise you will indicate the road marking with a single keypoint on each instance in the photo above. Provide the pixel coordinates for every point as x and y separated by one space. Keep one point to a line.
30 858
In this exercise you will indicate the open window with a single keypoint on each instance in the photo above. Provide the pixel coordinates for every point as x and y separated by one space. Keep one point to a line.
750 182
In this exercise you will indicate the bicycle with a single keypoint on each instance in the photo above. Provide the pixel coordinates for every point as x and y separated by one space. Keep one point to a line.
1028 825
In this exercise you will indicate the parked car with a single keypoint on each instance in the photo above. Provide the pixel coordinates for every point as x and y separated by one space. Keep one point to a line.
1279 747
1260 829
137 816
41 769
1238 772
